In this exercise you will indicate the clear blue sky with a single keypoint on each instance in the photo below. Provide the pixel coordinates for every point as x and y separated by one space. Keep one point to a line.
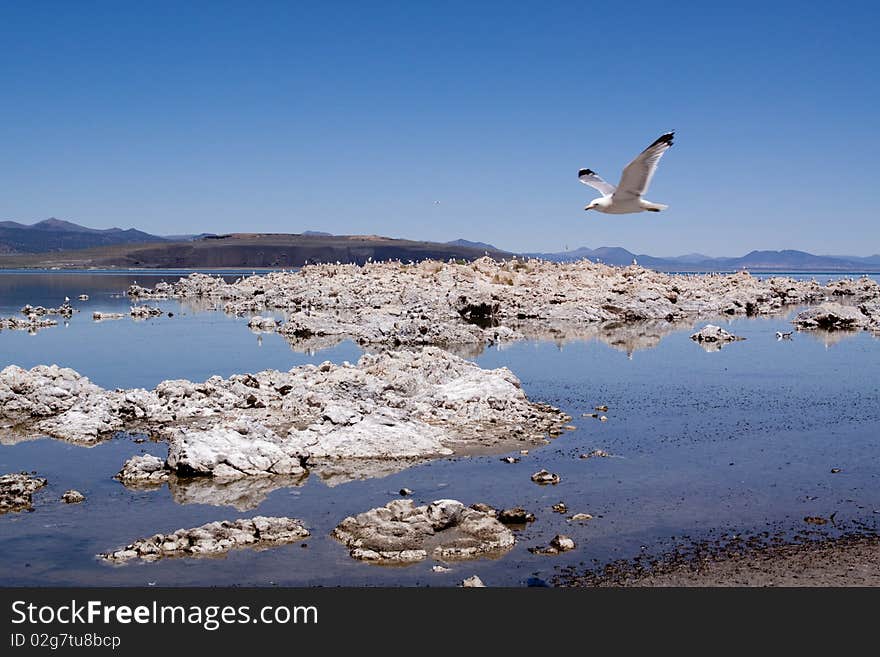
356 117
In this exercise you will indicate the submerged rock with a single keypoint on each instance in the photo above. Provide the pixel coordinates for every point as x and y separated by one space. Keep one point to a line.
403 532
212 539
515 516
261 324
17 489
559 543
712 337
562 543
72 497
143 312
472 582
100 317
543 477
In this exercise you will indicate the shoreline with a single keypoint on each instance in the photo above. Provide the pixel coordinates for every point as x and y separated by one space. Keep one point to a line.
852 559
847 273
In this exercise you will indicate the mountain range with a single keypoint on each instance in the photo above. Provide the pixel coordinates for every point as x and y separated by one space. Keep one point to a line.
56 235
786 260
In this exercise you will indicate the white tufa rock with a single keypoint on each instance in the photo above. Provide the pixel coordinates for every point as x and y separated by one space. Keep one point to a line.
17 489
212 539
488 302
403 532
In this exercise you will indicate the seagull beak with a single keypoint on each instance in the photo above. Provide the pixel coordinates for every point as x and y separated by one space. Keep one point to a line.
587 208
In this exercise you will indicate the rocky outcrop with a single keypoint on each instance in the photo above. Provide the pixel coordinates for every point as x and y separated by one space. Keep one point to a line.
29 324
383 414
712 337
58 402
64 310
403 532
487 301
36 317
161 290
16 491
212 539
144 470
872 311
834 316
240 449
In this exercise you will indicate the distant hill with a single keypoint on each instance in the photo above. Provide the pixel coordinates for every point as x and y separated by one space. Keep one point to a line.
257 250
186 237
474 245
59 235
55 242
787 260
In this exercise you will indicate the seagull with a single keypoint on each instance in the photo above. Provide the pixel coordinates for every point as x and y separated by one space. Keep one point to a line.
627 196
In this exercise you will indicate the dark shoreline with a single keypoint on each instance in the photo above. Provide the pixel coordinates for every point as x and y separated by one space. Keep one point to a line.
852 559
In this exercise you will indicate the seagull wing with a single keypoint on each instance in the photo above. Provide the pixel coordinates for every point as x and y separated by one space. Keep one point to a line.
637 175
590 178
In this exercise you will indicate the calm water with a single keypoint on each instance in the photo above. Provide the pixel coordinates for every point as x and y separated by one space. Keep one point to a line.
705 443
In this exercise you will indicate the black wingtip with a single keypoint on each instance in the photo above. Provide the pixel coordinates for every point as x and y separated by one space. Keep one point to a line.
586 172
665 138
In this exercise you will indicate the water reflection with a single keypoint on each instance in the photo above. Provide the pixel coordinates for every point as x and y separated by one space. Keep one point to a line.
242 494
832 338
248 493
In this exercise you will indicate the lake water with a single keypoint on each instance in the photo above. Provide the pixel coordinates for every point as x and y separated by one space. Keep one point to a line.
704 444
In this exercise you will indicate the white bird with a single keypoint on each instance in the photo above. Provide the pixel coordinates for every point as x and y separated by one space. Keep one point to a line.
627 196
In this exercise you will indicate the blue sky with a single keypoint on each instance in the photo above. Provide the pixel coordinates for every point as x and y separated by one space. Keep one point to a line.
356 117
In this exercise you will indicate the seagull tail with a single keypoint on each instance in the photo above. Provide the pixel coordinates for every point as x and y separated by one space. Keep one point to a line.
653 207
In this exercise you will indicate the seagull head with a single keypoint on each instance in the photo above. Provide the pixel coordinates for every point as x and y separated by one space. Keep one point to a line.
599 204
